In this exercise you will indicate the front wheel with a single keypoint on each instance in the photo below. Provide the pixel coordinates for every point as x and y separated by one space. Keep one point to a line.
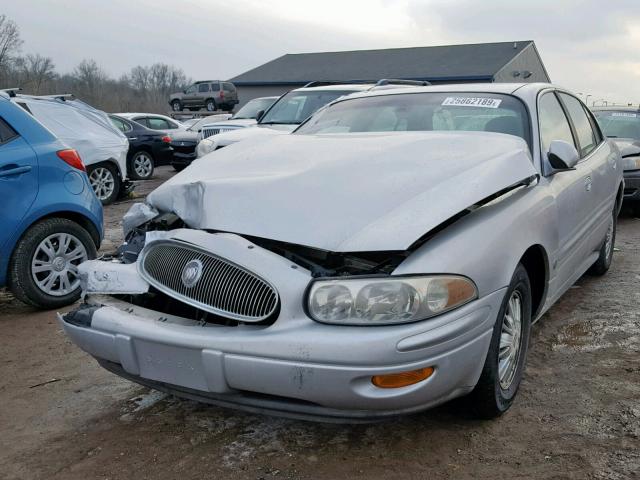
504 366
43 270
141 166
105 182
602 264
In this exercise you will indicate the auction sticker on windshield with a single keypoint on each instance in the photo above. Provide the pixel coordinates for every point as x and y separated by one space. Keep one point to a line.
472 102
622 114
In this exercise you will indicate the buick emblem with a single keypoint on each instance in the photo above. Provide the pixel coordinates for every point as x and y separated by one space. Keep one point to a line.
191 273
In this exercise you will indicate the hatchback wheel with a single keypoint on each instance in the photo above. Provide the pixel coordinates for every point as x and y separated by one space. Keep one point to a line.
43 270
504 366
141 166
105 182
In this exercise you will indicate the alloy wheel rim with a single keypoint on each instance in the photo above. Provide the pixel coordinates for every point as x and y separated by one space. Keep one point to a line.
142 165
510 336
210 106
54 266
102 182
608 241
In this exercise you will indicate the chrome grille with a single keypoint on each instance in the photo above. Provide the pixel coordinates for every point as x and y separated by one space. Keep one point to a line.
209 131
224 288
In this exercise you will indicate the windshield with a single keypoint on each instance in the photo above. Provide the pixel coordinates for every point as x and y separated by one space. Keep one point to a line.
296 106
251 109
619 124
423 112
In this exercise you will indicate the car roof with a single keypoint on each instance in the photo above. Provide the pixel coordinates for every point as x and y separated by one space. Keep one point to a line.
354 87
503 88
4 95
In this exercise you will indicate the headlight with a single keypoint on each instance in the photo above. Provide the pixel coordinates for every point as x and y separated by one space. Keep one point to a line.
631 163
387 300
204 147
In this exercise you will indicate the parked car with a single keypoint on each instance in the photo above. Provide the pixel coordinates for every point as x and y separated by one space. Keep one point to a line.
184 144
245 117
147 148
209 94
51 220
389 255
153 121
102 147
622 125
289 111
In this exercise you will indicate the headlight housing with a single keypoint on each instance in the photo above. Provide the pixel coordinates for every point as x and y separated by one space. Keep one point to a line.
631 163
387 300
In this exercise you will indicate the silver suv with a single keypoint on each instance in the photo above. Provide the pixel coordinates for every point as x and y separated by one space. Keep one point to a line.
210 94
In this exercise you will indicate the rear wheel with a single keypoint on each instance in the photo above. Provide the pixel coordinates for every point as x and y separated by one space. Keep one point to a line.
176 106
504 366
105 182
141 165
210 105
43 270
602 264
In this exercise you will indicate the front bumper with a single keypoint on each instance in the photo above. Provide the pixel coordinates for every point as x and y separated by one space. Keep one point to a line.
294 367
632 186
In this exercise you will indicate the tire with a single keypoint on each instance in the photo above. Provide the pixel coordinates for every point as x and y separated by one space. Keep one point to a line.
602 264
105 181
141 165
29 285
210 105
496 389
179 168
176 106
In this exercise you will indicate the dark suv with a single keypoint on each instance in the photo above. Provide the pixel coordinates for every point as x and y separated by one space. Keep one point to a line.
210 94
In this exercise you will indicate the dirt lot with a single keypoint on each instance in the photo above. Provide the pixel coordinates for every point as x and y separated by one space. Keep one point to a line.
577 415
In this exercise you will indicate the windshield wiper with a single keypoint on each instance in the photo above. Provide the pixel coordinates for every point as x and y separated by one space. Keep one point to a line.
279 123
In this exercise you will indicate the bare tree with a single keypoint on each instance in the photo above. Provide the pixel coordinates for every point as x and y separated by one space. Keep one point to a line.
35 72
10 42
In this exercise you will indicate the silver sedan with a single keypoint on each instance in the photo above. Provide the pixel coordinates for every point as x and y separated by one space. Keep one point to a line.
389 255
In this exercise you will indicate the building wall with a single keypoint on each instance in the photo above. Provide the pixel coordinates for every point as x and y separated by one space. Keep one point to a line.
527 60
246 93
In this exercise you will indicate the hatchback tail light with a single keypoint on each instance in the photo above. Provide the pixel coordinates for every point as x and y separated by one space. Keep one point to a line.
166 139
72 158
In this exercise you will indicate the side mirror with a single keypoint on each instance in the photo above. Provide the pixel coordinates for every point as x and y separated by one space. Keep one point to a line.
259 115
562 156
632 150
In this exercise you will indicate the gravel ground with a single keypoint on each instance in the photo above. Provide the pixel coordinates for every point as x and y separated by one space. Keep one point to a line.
577 415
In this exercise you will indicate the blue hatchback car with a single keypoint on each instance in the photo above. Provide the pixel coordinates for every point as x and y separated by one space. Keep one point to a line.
50 219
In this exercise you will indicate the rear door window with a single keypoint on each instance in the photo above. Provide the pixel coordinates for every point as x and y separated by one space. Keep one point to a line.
215 87
6 132
158 123
553 122
584 131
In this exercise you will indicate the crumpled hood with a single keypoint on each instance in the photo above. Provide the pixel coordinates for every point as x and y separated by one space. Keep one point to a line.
344 192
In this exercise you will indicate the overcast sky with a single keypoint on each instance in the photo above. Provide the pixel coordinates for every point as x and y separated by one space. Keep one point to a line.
587 46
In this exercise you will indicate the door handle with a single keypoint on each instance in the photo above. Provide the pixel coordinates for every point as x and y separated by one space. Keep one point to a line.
133 138
15 170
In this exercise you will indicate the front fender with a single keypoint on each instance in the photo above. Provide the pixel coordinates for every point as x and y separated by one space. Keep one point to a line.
487 244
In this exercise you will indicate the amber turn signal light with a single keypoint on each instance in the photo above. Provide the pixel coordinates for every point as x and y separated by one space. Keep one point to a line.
401 379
